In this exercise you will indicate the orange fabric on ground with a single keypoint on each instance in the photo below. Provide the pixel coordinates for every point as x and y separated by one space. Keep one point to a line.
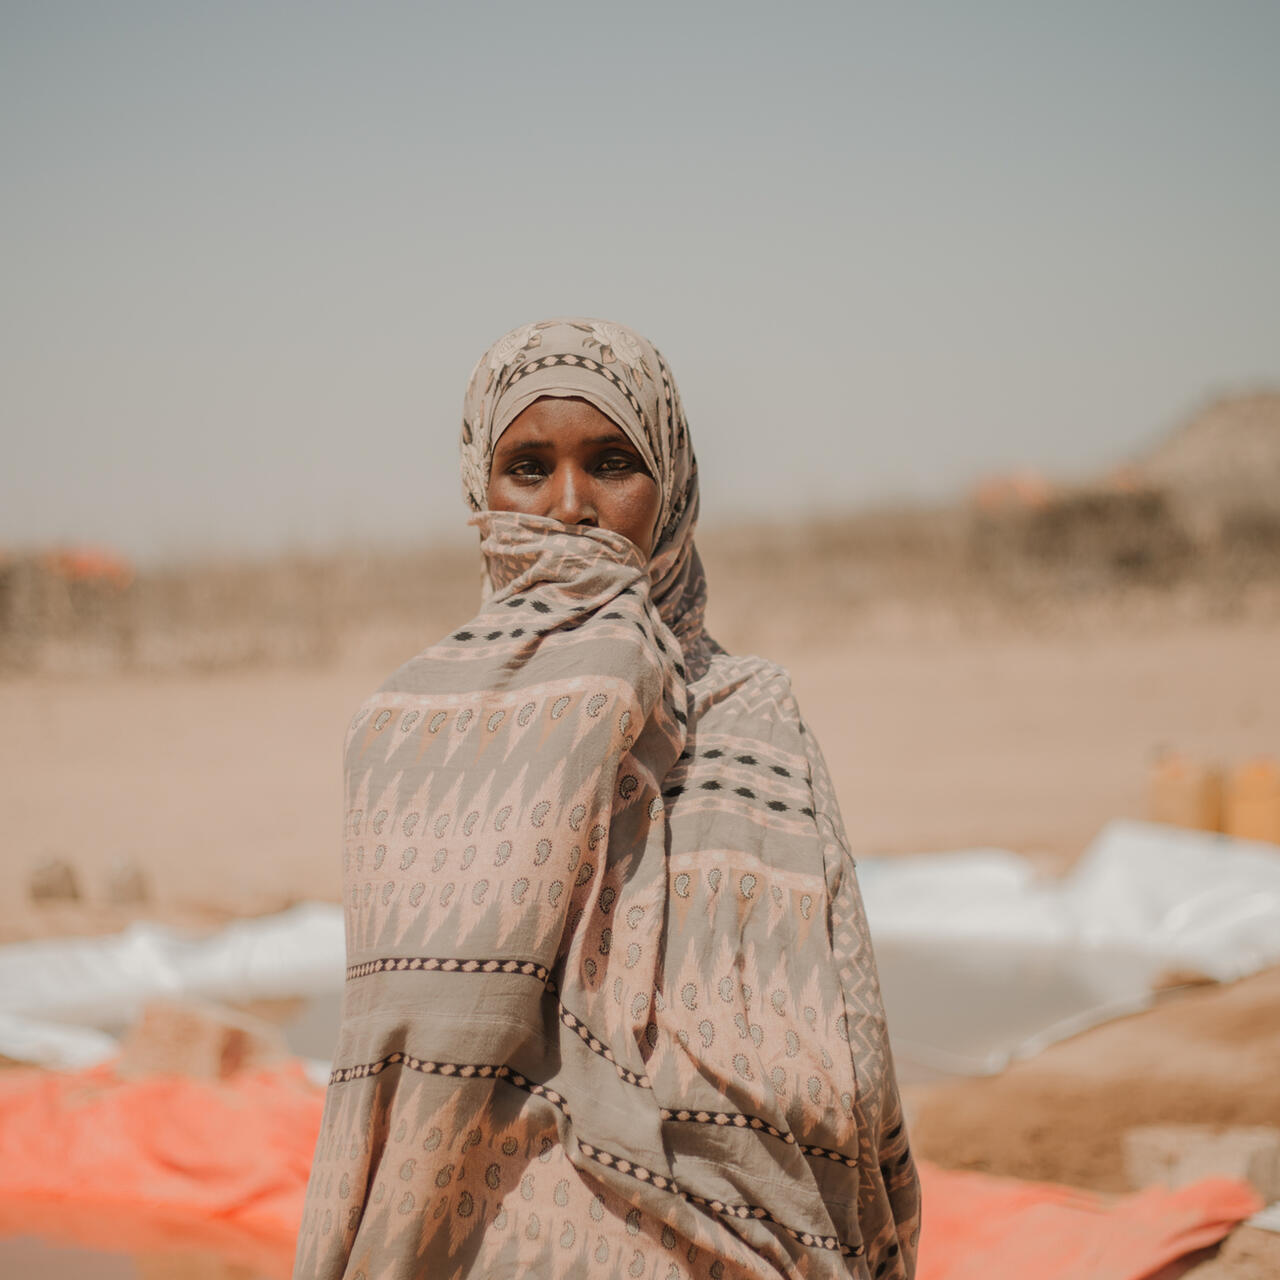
160 1163
167 1163
978 1227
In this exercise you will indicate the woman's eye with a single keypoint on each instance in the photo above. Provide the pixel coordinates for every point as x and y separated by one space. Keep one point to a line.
525 467
618 462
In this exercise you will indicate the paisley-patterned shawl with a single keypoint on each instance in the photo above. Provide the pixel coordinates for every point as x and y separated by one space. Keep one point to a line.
611 1005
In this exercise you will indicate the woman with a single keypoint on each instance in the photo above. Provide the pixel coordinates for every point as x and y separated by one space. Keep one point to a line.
611 1007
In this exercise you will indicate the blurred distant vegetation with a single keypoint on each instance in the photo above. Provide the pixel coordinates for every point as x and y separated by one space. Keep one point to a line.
1194 525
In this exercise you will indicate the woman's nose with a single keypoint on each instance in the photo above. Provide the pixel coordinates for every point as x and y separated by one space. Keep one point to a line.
572 501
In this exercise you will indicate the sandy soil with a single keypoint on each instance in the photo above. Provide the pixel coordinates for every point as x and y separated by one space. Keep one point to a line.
224 788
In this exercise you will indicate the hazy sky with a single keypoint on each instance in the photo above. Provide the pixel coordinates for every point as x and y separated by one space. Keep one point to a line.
251 250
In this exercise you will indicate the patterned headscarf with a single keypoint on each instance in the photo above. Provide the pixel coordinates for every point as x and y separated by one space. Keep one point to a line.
627 379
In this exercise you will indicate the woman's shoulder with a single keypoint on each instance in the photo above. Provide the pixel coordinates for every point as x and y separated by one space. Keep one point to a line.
752 691
755 691
732 671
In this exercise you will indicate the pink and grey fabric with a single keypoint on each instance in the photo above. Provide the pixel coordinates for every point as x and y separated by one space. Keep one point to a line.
611 1004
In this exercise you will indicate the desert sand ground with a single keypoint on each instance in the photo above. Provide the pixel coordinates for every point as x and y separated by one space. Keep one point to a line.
224 788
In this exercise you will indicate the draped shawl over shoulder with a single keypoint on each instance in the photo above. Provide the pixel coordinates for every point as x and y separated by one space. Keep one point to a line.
611 1006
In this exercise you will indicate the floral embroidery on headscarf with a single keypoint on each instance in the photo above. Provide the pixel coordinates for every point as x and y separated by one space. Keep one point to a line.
509 348
615 343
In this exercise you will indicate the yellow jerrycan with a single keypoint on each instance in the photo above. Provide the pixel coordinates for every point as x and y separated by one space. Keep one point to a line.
1251 805
1183 792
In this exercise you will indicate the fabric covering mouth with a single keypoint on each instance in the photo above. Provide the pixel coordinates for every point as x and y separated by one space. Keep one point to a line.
536 549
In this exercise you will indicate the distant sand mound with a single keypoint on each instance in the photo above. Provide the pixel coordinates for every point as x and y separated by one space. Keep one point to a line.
1223 462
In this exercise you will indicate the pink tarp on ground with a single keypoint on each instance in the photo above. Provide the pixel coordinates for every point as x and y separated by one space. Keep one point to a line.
153 1165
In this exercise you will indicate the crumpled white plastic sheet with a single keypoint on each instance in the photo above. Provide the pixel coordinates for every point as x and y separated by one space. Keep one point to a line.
53 1044
980 959
63 1000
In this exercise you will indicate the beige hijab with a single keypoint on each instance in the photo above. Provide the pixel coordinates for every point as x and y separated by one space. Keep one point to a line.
626 378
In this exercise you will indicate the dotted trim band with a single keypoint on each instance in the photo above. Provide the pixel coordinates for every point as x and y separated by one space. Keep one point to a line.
736 1120
599 1047
447 964
462 1070
575 361
740 1212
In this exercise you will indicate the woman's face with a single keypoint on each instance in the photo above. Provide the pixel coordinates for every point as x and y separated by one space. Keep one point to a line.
565 459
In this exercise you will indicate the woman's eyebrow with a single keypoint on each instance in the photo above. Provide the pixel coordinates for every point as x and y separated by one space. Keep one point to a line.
549 444
520 445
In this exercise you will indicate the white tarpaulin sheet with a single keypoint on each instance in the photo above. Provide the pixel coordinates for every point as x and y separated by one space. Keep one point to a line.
60 996
980 959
